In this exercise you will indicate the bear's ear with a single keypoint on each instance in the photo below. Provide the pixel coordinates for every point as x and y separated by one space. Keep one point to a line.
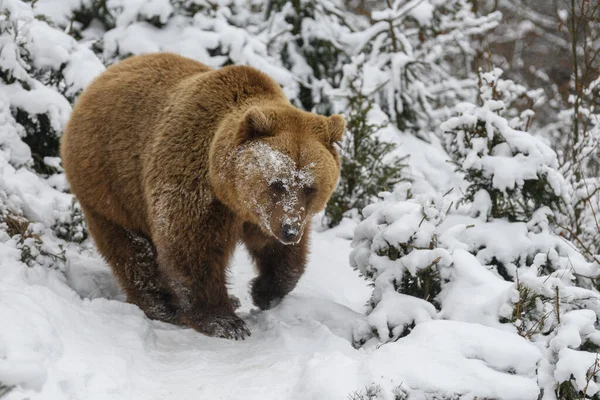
255 124
336 126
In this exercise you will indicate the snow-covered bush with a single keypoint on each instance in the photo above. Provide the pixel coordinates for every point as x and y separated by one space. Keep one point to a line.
513 171
41 70
367 168
579 157
75 228
307 34
490 251
418 56
571 117
216 34
514 176
396 246
518 277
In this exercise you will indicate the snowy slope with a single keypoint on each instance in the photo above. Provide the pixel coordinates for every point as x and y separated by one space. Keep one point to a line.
67 333
85 345
73 347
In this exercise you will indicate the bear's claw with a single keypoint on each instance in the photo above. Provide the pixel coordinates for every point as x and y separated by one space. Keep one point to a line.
223 326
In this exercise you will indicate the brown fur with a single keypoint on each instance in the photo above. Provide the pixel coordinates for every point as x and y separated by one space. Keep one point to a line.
162 152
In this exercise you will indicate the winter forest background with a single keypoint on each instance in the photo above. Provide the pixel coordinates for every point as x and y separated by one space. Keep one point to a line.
469 201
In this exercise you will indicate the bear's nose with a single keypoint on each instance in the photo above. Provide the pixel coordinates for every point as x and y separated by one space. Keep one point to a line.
288 232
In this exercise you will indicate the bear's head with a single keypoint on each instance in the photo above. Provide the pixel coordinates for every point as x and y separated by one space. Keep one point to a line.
277 166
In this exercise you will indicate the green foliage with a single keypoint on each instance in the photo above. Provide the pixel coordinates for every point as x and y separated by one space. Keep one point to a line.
89 12
365 171
191 7
530 311
323 55
426 284
29 243
34 251
483 136
39 133
396 247
590 346
41 138
517 204
566 390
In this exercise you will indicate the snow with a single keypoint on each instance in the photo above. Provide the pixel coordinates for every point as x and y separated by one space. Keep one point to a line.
577 364
101 348
257 161
475 294
506 170
401 311
465 359
195 37
70 335
488 269
59 11
66 331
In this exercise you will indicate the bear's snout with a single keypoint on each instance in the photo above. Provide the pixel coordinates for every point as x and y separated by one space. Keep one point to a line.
288 233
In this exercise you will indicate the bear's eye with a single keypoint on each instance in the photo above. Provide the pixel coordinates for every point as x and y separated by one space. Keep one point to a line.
278 187
309 190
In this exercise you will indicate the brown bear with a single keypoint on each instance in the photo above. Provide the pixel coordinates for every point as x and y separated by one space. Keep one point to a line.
174 163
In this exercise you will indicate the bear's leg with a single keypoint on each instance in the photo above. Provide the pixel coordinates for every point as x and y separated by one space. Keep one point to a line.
195 242
280 266
133 260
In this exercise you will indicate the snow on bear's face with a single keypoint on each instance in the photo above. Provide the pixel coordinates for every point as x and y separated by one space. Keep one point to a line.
280 192
284 169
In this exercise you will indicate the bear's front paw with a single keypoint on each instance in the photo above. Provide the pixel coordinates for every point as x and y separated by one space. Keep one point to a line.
227 326
264 296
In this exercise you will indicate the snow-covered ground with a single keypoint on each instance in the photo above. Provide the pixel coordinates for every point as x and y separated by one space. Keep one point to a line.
66 332
64 338
515 311
69 335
